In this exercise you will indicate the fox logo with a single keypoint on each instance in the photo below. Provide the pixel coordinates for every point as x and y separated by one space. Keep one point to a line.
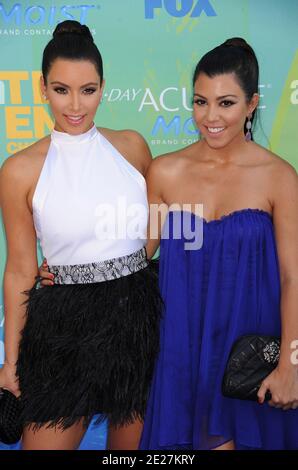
179 9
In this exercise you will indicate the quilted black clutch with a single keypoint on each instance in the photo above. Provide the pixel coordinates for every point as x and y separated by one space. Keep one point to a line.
10 424
251 360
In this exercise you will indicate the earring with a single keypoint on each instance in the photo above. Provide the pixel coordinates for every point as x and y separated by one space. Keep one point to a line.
248 135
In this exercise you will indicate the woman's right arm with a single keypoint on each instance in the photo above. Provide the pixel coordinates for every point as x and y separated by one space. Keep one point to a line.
21 264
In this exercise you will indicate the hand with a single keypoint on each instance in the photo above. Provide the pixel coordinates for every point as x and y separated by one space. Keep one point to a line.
47 277
8 379
283 386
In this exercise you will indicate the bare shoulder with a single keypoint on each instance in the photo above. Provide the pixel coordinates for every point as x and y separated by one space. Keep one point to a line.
283 168
280 169
132 145
21 167
278 176
285 180
128 135
171 164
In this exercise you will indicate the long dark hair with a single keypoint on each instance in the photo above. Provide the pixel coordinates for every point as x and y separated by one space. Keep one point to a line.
72 41
233 56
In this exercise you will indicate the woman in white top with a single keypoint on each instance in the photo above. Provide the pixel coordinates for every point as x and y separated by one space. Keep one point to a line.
86 345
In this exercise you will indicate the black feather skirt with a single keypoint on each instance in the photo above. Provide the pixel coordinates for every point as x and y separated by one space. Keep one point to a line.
89 349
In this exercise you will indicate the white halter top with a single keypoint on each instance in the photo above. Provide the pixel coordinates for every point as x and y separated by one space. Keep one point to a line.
90 203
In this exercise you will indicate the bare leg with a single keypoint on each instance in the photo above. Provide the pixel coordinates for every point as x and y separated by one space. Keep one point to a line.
125 437
227 446
53 438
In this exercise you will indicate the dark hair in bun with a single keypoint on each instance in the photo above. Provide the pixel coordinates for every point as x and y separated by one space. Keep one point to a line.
73 41
239 42
233 56
72 27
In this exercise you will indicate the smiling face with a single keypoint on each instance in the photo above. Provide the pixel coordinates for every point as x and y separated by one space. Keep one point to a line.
220 109
74 92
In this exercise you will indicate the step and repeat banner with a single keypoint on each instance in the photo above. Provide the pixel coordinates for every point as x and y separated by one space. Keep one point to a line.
150 49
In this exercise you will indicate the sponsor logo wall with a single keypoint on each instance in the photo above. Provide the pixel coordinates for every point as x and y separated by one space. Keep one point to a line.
150 49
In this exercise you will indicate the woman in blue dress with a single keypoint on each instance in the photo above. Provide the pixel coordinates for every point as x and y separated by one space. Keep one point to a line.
242 280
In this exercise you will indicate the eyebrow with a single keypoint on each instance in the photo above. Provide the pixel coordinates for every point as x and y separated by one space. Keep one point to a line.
218 99
67 86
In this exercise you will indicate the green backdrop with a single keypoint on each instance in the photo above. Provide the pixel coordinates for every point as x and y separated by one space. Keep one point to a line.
149 49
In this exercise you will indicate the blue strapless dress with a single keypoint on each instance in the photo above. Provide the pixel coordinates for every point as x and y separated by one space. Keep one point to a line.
228 288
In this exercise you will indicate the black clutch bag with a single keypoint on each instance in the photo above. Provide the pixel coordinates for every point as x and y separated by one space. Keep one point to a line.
10 424
251 360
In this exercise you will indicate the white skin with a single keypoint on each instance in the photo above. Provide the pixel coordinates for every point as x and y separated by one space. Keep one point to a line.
226 173
282 382
73 89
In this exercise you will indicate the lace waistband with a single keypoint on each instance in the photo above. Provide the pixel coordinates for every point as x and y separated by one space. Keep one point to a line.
100 271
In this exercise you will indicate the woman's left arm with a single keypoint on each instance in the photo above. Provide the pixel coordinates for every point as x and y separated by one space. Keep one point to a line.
283 381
